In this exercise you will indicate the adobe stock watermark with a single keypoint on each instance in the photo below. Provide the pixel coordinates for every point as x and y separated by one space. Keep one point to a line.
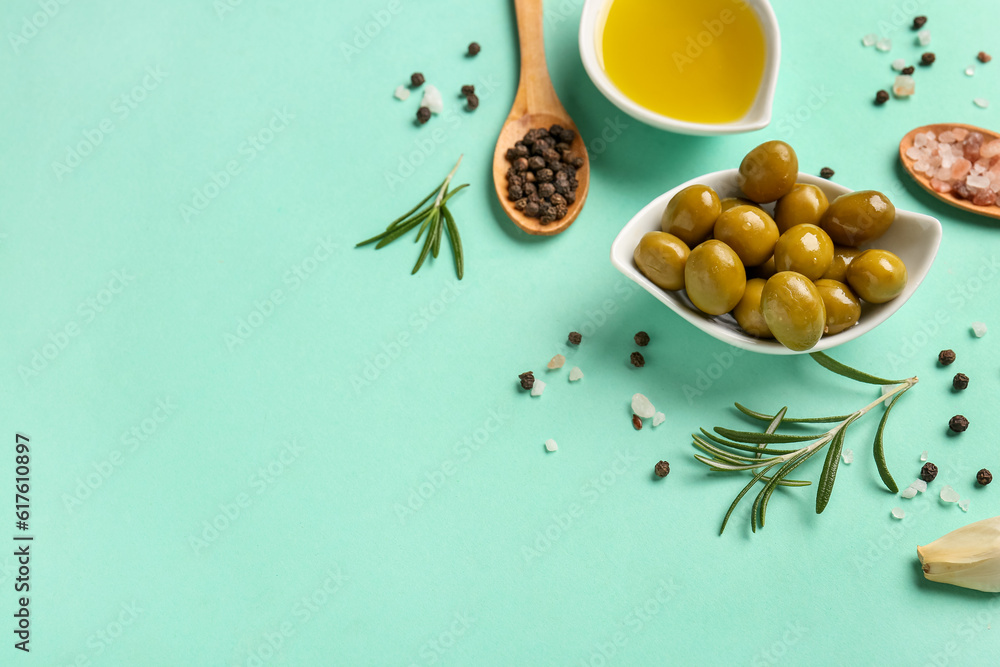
793 633
131 441
293 279
609 134
362 35
223 7
635 621
705 378
86 312
435 648
303 610
462 452
971 627
121 108
255 144
32 24
259 483
104 637
696 44
792 121
419 321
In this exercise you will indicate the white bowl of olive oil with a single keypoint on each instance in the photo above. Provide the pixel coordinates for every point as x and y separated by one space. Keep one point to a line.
703 67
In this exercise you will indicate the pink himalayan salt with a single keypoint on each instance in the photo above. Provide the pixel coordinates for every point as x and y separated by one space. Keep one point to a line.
990 149
960 133
940 186
960 168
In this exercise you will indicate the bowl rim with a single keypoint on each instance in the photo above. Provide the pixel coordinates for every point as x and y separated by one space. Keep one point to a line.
757 117
621 259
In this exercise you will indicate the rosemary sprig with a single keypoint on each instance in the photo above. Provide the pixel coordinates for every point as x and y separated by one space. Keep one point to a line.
729 450
435 219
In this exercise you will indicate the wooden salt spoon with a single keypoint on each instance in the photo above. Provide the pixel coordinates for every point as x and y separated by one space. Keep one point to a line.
924 181
536 105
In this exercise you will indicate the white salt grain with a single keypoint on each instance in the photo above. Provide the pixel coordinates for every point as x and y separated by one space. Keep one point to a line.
575 374
981 102
923 455
948 494
898 513
869 39
557 362
538 388
402 93
848 455
432 99
883 44
979 328
551 445
919 485
964 504
904 86
898 64
642 407
924 37
659 418
969 71
908 492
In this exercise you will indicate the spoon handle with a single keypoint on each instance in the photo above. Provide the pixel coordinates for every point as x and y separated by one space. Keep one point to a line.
534 92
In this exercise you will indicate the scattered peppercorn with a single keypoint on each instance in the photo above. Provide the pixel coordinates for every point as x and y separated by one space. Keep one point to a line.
575 337
826 172
662 469
468 90
417 79
984 57
550 169
472 101
527 380
423 115
636 423
928 472
918 22
958 423
984 477
927 59
881 97
474 48
637 360
946 357
908 70
960 381
642 339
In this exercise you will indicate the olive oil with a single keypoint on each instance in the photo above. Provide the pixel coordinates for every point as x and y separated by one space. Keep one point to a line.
699 61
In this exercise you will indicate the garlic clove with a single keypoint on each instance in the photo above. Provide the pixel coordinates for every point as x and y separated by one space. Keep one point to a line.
968 557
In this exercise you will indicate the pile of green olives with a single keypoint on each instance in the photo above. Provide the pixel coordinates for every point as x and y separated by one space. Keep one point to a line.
793 271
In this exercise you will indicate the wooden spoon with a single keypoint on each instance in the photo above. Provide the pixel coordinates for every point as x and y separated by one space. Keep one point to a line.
992 211
536 105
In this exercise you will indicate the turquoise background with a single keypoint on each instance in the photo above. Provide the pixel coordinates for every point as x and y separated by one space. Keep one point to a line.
400 517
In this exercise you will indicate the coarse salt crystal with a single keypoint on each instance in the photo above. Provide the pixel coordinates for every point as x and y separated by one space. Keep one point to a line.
883 44
960 133
551 445
979 328
977 180
923 455
538 388
924 37
946 137
869 39
402 93
921 166
948 494
969 71
981 102
898 513
898 64
557 362
990 149
642 406
920 140
964 504
915 153
908 492
659 418
904 85
848 455
575 374
886 389
919 485
432 99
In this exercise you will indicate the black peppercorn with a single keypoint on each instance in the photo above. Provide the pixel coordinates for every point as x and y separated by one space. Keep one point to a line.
547 218
960 381
826 172
984 57
515 192
416 79
520 164
521 203
642 339
881 97
984 477
474 48
527 380
544 175
958 423
918 22
532 209
928 472
546 190
472 102
946 357
560 211
636 423
468 90
927 59
908 70
529 176
529 188
662 469
520 150
575 337
577 162
535 163
557 200
423 115
637 360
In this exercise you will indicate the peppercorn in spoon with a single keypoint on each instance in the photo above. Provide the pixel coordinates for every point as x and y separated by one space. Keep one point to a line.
540 167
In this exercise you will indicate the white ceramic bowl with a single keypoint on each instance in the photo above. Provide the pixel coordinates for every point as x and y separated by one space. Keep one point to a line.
592 19
914 237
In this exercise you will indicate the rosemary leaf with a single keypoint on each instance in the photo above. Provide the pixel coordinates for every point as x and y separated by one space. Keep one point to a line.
414 209
739 497
456 241
743 447
830 466
883 469
758 438
426 249
783 472
789 420
843 369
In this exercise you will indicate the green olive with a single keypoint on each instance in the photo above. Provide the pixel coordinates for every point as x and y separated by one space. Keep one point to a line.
842 258
805 204
877 276
731 202
806 249
714 277
747 311
766 270
793 310
691 214
858 217
842 308
661 258
768 172
749 231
